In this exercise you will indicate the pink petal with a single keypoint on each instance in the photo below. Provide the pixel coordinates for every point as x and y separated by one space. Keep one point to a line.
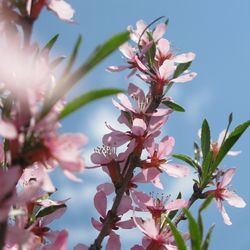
113 242
127 50
159 31
60 242
96 224
125 205
139 127
227 177
233 199
148 227
107 188
62 9
99 159
115 139
100 201
184 58
165 147
163 47
135 91
8 130
175 205
127 224
225 216
125 101
166 69
175 170
116 68
185 78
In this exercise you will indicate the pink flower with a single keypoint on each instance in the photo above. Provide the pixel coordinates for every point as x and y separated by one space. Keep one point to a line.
130 54
155 236
157 206
165 73
65 150
100 201
61 8
157 153
141 33
141 104
222 193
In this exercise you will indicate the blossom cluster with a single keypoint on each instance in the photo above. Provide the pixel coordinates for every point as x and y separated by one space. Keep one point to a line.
32 145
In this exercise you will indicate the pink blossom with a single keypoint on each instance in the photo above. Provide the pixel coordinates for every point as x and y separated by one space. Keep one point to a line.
140 33
157 153
222 193
65 149
100 201
155 236
61 8
141 104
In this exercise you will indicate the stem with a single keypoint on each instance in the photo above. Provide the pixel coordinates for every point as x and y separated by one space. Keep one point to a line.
134 162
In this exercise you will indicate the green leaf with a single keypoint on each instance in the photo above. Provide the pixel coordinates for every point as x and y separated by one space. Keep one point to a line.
206 169
180 242
86 98
174 106
206 242
229 142
181 68
186 159
73 55
50 43
206 203
205 138
194 230
203 206
96 57
49 210
150 54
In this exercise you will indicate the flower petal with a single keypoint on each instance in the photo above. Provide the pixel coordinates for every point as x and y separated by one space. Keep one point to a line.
175 170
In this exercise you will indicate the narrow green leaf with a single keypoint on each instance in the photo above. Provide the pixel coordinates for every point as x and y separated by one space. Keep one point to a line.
96 57
206 169
49 210
181 68
150 54
73 55
229 142
203 206
180 242
194 230
186 159
206 203
206 242
86 98
51 43
205 138
174 106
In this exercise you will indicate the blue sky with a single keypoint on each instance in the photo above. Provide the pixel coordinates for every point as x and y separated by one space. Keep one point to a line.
218 32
